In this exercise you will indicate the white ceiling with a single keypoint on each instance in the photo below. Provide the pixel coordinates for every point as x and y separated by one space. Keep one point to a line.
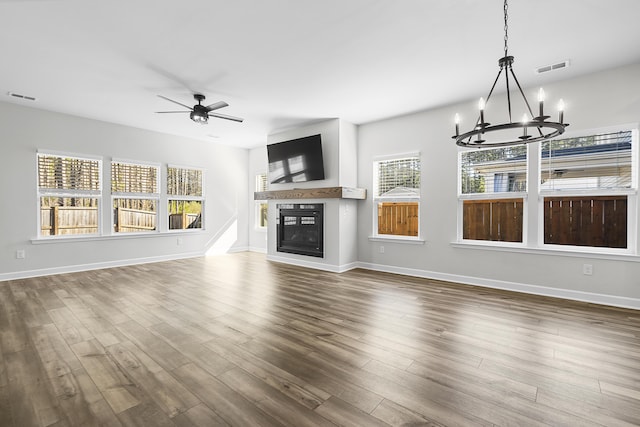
280 63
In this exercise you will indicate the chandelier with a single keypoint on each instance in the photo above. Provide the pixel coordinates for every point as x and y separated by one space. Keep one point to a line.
529 129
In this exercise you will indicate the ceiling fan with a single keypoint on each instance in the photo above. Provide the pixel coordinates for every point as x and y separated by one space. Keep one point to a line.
201 113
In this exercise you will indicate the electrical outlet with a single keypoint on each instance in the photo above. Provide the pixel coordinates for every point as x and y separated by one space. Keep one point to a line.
179 241
587 269
381 249
21 254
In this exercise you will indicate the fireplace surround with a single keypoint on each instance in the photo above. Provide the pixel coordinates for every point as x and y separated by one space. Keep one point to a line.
300 229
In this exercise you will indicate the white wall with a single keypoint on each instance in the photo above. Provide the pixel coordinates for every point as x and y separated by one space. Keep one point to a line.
348 175
23 131
257 165
330 135
599 100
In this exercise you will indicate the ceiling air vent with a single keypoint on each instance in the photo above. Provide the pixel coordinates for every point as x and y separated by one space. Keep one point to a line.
547 68
20 96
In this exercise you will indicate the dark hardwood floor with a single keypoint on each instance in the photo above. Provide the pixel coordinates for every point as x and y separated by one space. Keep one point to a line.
236 340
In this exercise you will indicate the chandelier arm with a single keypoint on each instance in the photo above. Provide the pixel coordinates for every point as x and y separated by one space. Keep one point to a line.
491 91
506 76
526 101
494 84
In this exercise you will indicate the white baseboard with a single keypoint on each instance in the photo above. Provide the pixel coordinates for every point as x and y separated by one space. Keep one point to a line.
257 249
602 299
94 266
311 264
237 249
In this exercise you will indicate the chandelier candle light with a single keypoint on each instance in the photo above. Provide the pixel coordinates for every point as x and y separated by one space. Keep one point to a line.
544 129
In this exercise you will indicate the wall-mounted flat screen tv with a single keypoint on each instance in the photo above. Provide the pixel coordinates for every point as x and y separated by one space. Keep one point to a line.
297 160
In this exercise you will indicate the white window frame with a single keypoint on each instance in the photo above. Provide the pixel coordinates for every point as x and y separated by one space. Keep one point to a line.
376 199
524 195
184 198
50 192
631 193
136 195
259 179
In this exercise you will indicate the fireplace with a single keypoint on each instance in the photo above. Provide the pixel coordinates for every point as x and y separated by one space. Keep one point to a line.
300 229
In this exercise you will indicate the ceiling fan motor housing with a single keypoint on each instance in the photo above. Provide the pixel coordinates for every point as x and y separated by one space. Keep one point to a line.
200 114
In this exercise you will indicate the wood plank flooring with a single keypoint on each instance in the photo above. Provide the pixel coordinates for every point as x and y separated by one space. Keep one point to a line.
236 340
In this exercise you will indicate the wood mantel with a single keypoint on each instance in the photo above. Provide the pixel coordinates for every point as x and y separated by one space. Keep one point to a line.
313 193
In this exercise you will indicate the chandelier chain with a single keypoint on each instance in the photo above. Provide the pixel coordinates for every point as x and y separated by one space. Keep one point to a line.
506 27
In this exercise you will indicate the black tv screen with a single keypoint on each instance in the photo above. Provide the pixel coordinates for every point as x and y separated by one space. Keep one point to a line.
297 160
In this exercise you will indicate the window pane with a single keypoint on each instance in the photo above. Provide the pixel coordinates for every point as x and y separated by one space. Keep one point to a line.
133 178
497 170
134 215
589 162
185 214
586 221
399 219
262 215
494 220
184 182
398 178
68 215
68 173
261 182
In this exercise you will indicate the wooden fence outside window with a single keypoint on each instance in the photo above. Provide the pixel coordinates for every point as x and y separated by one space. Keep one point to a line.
69 220
586 221
398 219
128 220
64 220
494 220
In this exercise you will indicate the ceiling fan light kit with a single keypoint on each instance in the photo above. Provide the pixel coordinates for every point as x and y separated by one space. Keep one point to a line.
200 113
543 129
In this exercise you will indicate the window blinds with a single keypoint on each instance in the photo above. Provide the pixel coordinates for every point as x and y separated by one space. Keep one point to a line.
261 182
134 178
398 177
68 173
601 161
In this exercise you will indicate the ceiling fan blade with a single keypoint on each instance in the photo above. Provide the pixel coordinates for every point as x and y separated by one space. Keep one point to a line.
163 112
216 105
175 102
224 116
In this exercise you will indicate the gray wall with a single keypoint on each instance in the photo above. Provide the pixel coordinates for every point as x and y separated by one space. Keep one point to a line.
23 131
599 100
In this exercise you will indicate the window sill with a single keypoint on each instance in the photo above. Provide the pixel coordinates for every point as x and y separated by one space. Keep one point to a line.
96 237
398 239
549 250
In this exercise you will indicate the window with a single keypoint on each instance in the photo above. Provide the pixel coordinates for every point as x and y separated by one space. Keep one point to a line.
69 194
185 198
397 196
261 205
492 188
586 183
134 188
